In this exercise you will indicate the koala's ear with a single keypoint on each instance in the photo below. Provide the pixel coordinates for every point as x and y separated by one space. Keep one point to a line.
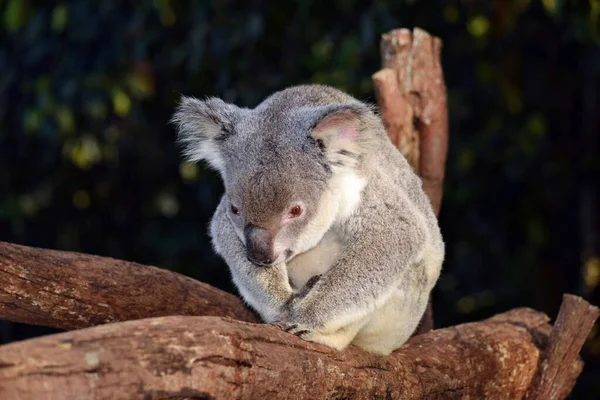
201 125
339 130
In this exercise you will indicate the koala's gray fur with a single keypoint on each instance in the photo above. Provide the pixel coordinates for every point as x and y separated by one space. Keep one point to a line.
358 264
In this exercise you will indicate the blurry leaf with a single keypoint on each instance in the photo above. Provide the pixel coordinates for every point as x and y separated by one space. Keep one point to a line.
43 84
60 16
15 15
591 273
349 53
96 109
81 200
485 72
9 207
466 305
121 103
112 134
167 14
451 14
167 204
466 159
29 206
478 26
84 152
321 51
521 5
32 119
536 125
550 6
141 84
512 96
188 171
110 152
65 119
320 77
594 17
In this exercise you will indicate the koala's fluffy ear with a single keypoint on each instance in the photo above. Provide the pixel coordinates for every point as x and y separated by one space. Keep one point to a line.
340 130
201 125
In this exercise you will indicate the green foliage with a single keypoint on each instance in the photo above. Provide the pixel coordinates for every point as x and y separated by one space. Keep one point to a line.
88 161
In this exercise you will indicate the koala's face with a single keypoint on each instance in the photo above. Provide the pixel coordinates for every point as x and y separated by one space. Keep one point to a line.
277 162
277 187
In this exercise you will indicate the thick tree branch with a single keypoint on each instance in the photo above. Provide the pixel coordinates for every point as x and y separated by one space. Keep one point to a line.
71 290
209 357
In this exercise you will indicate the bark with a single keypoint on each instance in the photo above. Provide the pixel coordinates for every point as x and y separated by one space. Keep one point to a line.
411 96
71 290
216 358
575 320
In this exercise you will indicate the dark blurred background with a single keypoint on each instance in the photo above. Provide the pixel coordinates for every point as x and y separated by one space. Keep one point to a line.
88 161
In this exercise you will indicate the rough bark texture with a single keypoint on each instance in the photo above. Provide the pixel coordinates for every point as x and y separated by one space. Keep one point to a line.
71 290
210 357
411 96
575 320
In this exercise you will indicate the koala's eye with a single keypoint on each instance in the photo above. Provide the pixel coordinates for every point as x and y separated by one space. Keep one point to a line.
234 210
296 211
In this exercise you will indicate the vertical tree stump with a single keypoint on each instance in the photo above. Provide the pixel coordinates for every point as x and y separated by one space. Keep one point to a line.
411 96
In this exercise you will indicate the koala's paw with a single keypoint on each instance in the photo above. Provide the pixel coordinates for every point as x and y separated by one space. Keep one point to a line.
305 290
300 330
304 332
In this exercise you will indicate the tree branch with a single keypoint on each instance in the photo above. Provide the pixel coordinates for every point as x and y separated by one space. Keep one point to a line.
208 357
71 290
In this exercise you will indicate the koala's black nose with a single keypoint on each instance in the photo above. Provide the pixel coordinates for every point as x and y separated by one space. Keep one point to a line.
259 245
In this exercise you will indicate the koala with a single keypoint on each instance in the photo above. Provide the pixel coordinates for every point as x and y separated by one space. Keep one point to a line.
325 227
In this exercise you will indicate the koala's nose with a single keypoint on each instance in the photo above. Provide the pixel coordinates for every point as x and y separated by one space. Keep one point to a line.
259 245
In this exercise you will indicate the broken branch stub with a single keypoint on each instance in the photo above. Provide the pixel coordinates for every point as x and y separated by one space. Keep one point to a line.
411 95
572 326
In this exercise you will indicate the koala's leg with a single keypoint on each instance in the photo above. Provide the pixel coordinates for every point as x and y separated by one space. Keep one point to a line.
393 324
265 289
338 339
373 266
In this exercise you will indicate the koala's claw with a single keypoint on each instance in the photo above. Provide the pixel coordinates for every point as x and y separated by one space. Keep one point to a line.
294 329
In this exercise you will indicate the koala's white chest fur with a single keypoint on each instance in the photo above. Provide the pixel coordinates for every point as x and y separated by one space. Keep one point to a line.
315 261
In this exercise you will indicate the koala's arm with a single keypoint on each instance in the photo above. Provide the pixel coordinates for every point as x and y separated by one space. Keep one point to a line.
386 252
265 289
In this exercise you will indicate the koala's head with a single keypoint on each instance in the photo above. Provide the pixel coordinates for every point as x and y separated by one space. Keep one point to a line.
278 162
